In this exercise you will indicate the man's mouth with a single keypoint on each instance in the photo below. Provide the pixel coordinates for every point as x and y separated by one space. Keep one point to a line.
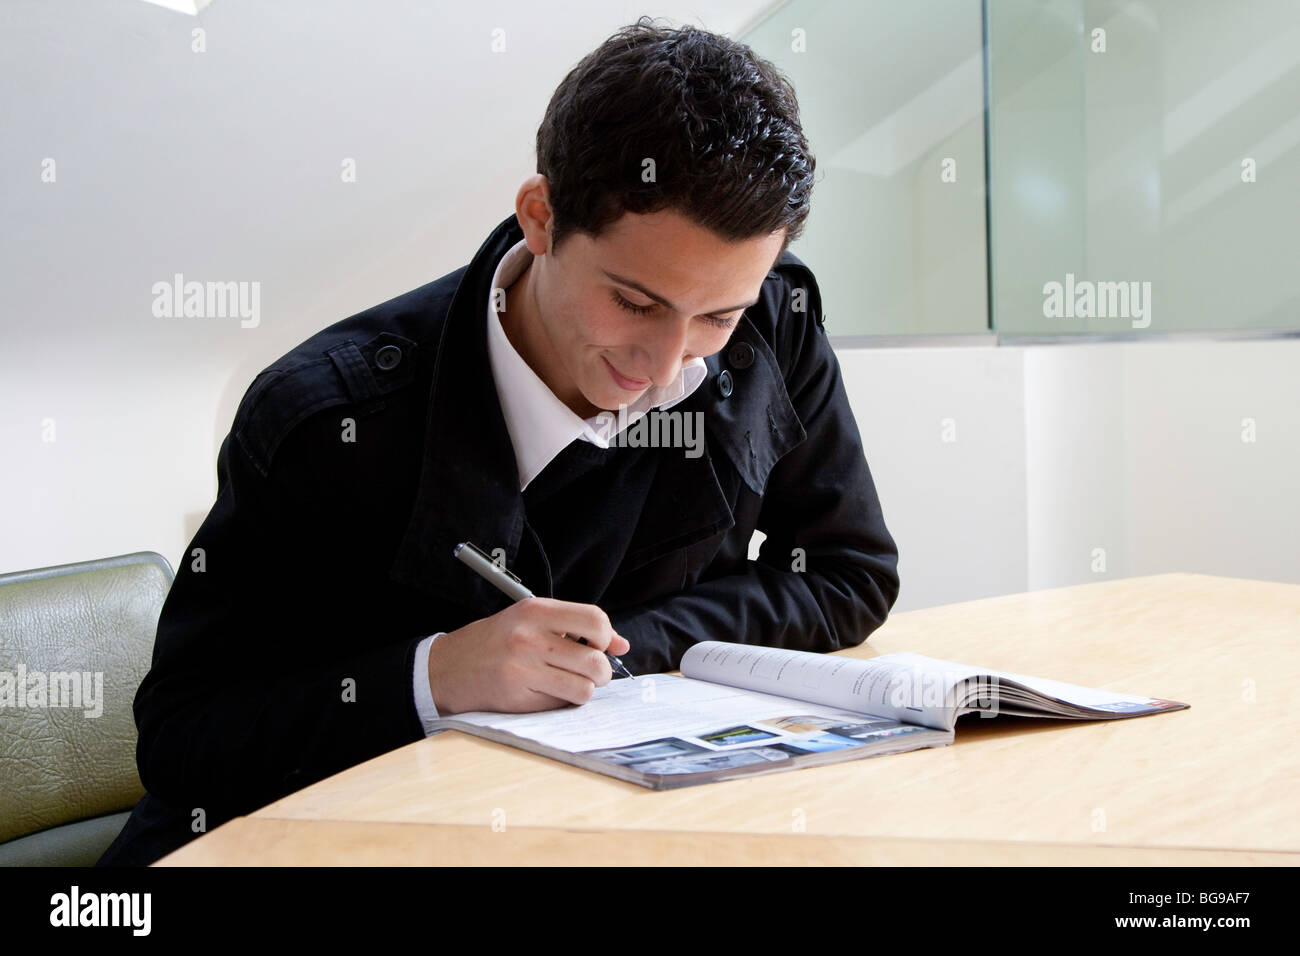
631 384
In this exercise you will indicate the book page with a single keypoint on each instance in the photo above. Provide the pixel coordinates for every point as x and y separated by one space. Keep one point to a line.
1108 700
894 686
627 712
903 686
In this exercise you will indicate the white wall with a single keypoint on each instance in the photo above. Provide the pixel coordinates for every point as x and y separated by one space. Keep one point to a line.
225 166
1137 449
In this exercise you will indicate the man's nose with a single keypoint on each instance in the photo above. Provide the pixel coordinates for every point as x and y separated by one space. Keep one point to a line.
666 353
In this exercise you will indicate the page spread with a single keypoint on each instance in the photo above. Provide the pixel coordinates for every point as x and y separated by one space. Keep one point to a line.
664 730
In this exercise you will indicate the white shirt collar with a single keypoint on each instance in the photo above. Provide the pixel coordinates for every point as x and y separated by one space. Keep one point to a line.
540 425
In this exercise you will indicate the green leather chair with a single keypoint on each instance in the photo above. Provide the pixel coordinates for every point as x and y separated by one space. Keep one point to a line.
69 773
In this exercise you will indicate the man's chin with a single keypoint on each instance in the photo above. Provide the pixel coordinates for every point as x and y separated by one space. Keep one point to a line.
611 402
613 407
599 405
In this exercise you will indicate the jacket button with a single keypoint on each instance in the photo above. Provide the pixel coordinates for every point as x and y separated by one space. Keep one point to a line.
741 355
724 383
388 357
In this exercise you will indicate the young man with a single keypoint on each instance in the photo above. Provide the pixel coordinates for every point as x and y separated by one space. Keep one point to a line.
320 619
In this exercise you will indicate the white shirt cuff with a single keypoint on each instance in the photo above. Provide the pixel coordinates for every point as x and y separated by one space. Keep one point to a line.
423 693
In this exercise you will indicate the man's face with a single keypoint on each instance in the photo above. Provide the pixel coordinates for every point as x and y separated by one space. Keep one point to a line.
626 310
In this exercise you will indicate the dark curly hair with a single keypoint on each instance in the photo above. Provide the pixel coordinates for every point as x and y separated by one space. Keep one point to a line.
720 123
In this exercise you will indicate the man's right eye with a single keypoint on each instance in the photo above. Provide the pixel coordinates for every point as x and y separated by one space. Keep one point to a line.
622 303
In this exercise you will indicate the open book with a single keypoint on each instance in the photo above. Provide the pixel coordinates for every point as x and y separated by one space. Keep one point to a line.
739 710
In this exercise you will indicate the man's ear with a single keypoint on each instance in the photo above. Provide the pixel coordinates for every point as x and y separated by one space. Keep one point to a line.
534 213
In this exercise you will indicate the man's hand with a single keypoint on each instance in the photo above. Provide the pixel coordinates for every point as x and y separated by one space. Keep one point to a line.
518 660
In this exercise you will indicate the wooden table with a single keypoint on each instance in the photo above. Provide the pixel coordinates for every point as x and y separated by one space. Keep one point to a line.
1213 784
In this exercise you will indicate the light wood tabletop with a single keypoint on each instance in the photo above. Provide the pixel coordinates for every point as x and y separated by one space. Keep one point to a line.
275 842
1220 776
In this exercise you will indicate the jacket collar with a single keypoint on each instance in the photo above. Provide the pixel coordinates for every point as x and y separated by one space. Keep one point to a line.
469 487
757 425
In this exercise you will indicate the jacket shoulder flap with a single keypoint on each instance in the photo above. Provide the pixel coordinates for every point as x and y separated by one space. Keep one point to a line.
803 294
357 361
324 371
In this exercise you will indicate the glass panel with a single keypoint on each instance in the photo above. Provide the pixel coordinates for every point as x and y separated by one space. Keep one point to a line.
1145 178
891 96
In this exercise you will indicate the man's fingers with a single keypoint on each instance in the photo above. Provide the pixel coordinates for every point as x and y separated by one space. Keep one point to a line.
618 644
576 658
567 617
566 685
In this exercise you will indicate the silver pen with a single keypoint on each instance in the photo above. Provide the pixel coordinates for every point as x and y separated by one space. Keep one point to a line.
511 586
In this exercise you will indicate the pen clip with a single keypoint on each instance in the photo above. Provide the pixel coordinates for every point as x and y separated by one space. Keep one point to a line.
496 566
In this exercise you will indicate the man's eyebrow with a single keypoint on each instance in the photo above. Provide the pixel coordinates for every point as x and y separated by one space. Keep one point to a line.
664 302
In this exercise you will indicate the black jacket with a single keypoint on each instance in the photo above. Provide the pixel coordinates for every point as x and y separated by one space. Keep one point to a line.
324 561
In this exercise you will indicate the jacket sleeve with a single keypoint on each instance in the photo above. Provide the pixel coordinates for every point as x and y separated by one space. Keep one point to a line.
820 498
262 679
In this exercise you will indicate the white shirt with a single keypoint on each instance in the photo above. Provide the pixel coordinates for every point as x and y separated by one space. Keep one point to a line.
541 426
